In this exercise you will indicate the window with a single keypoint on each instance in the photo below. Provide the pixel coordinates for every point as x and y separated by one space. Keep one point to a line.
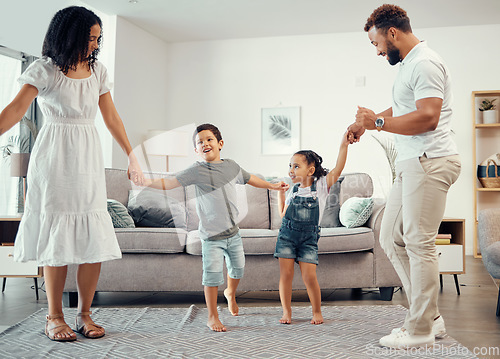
12 63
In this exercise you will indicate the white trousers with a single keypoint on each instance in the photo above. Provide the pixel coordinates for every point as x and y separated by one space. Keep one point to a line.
411 220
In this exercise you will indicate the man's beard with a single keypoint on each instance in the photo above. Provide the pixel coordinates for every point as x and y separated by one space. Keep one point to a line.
393 54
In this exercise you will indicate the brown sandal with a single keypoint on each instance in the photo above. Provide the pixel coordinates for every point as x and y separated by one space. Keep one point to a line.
85 329
51 332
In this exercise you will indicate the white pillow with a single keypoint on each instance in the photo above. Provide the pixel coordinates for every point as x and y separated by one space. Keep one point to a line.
355 211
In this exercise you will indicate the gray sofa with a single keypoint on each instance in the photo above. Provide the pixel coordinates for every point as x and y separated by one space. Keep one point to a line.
488 229
169 259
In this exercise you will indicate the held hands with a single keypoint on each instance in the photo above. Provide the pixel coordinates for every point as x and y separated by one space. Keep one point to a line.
366 118
134 171
280 186
347 139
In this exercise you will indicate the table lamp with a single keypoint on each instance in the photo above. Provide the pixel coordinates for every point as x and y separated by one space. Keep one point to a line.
19 168
167 143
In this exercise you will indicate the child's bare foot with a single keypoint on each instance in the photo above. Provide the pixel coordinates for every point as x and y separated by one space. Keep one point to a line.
286 318
317 318
216 325
231 303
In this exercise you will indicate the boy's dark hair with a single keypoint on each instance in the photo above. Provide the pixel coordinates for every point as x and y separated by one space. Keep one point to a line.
312 158
387 16
67 39
208 127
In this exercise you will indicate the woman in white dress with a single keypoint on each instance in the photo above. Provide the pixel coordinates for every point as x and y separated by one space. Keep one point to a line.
65 219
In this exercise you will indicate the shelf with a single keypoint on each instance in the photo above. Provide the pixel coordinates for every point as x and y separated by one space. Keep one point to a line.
487 125
485 140
452 256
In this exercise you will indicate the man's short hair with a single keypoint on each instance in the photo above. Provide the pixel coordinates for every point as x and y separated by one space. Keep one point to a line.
387 16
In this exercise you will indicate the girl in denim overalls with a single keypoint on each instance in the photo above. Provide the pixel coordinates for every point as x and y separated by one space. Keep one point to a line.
300 231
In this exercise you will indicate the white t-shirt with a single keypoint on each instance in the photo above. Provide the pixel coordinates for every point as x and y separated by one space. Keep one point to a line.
321 193
423 74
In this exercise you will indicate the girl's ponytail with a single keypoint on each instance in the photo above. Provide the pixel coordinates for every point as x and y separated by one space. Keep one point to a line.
312 158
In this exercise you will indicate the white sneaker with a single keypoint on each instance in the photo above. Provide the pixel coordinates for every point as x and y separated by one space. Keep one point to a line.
438 328
403 340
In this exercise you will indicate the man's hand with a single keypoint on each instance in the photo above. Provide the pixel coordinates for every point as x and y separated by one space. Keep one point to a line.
366 118
355 131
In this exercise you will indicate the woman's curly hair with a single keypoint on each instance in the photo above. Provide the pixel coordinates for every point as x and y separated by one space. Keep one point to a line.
67 38
387 16
312 158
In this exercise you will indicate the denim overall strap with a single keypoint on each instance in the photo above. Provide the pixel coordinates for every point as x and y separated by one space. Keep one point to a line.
303 210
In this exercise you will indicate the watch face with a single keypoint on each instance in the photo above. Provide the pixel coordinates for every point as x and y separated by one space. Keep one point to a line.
379 122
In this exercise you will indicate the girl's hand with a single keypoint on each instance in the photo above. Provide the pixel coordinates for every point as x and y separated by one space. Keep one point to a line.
357 131
348 138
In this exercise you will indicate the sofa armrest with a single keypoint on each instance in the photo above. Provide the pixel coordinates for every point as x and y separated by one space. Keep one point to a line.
384 273
376 218
488 228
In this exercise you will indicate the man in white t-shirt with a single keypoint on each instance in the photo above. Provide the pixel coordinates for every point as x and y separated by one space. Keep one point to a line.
426 166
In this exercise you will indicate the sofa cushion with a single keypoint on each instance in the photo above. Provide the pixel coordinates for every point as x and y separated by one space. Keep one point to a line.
255 241
356 211
156 208
263 241
332 207
119 215
117 185
253 206
151 240
343 240
353 185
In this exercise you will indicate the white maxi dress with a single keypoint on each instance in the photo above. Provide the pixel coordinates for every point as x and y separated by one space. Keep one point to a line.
65 220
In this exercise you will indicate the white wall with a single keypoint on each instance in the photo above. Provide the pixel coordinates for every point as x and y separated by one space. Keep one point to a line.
228 83
23 23
140 87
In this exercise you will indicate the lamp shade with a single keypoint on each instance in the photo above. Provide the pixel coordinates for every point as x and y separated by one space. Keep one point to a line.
167 143
19 164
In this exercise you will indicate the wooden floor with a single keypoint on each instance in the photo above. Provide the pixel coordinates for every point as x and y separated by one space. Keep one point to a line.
470 317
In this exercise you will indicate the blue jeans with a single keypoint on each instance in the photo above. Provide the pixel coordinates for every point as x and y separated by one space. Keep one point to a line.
213 254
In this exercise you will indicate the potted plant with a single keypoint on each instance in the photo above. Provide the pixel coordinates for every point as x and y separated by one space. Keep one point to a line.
489 110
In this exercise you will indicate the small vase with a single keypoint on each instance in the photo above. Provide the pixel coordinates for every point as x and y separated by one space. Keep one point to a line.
490 116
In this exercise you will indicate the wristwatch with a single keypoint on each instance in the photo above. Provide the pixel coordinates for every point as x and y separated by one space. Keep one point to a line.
379 123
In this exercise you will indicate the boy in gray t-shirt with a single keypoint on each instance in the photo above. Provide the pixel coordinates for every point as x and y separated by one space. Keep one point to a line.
215 182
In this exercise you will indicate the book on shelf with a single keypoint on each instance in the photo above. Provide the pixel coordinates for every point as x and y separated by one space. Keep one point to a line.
443 241
443 238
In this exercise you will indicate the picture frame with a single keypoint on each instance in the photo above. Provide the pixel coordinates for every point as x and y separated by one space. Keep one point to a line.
280 130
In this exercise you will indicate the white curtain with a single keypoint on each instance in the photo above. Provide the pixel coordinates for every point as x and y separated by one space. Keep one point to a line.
10 70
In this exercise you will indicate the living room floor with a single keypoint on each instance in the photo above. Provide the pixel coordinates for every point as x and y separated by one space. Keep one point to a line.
470 317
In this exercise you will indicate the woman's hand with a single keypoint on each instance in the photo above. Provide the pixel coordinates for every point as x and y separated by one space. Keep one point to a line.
134 171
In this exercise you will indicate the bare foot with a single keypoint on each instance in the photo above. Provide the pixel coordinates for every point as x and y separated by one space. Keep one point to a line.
231 303
317 318
286 318
216 325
